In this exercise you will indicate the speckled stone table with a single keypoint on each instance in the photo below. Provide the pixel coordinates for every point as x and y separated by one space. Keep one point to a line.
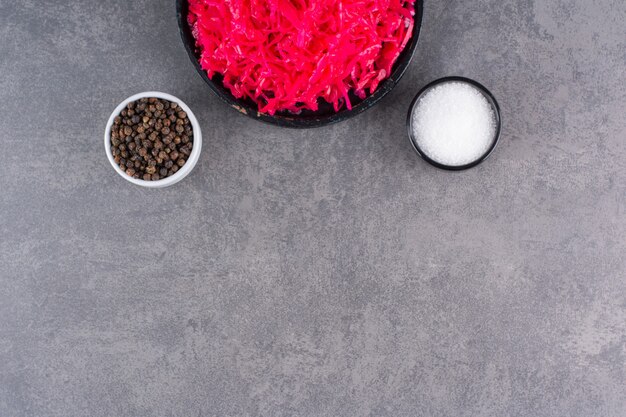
324 272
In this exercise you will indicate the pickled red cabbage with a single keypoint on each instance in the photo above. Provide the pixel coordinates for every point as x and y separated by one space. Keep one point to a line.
287 54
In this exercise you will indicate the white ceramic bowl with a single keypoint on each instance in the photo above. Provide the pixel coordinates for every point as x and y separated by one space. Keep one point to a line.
191 161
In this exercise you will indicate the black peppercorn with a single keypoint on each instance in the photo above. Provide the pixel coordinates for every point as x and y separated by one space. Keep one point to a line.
151 139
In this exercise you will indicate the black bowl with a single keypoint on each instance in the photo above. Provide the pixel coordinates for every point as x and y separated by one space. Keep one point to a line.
490 98
325 115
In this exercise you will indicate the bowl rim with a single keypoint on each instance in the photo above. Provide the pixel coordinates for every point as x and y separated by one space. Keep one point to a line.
486 93
195 151
312 121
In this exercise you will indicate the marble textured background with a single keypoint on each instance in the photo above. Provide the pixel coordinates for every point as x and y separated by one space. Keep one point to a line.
325 272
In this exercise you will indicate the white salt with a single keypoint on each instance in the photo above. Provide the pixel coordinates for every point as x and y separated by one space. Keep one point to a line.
453 123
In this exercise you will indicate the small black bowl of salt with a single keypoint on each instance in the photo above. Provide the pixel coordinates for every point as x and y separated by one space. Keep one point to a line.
454 123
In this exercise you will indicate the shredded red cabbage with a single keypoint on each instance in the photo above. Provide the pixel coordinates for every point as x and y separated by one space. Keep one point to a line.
285 54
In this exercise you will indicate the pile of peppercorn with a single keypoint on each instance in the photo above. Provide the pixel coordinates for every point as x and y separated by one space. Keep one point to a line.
151 139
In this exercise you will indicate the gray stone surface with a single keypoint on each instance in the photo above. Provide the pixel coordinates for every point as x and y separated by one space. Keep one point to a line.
325 272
